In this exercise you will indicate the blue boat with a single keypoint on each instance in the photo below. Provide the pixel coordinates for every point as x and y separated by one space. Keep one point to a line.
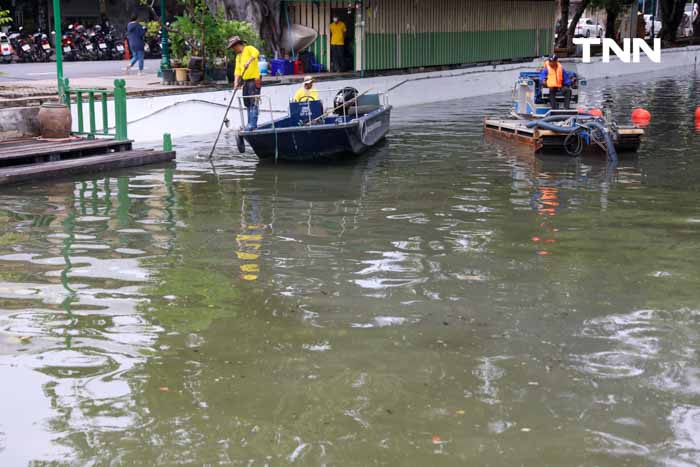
307 134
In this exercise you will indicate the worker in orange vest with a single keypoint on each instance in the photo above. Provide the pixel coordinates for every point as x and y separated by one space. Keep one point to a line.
555 77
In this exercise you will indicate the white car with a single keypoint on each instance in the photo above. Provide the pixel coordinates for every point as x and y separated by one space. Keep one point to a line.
586 27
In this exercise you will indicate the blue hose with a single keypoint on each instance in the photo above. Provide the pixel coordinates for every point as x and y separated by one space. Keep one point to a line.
591 123
610 146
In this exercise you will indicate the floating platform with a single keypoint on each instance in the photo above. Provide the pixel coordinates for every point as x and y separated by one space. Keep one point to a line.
33 159
626 139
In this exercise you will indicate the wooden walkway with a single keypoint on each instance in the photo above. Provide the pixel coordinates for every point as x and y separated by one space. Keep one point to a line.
26 151
32 159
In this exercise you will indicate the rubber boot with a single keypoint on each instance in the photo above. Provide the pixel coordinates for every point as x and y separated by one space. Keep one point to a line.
252 118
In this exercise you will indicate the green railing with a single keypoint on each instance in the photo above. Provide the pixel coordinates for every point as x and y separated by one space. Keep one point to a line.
101 95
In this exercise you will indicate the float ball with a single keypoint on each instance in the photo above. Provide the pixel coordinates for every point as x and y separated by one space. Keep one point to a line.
596 112
641 115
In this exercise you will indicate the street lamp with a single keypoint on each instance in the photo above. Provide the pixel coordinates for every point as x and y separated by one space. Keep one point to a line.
58 45
164 48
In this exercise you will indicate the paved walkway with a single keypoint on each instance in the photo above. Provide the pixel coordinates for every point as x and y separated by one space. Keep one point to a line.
27 84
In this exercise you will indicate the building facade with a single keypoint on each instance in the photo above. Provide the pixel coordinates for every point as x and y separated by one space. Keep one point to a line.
399 34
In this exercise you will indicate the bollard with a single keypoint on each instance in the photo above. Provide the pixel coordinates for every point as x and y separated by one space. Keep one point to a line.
167 142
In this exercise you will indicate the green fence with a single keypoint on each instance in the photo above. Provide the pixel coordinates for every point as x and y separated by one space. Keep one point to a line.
102 95
413 50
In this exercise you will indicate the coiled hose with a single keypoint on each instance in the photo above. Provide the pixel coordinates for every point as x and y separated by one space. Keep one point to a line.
580 125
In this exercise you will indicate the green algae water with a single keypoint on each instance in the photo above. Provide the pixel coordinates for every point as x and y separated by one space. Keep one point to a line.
445 300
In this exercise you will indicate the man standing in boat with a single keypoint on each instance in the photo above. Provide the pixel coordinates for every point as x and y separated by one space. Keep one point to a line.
247 76
555 77
338 31
307 92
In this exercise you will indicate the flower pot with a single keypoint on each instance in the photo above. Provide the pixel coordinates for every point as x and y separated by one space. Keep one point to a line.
195 63
55 120
168 76
181 74
196 76
216 74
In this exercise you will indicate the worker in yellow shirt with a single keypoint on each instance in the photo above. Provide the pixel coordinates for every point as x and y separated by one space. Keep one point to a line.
338 32
307 92
247 76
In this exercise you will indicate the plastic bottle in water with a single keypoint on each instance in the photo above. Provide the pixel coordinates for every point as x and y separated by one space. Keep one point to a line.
263 65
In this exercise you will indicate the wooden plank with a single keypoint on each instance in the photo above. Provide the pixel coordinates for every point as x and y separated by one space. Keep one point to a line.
117 160
41 148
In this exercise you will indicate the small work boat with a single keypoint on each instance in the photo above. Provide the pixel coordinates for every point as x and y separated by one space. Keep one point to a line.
574 132
356 123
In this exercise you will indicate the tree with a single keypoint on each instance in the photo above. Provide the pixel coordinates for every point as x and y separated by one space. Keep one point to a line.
264 15
671 17
5 17
575 19
563 25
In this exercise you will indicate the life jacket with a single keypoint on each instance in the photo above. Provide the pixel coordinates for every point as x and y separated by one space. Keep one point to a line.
555 76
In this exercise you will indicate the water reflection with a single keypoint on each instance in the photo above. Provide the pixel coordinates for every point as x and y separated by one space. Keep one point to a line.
449 300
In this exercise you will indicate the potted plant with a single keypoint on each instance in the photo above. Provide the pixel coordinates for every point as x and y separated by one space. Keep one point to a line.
198 33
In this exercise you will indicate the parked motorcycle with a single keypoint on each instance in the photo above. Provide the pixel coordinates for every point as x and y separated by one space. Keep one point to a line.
22 45
152 46
5 48
70 51
42 47
97 37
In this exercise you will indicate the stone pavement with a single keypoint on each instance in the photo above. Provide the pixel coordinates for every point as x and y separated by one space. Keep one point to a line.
22 93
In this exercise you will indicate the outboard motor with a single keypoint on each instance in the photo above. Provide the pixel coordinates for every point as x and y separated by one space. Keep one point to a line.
344 100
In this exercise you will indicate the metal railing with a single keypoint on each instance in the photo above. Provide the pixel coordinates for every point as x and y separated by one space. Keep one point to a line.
327 98
119 96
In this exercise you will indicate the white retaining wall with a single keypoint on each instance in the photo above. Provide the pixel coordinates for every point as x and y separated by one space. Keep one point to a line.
201 113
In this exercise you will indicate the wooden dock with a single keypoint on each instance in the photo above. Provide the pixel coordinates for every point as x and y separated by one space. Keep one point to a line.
32 159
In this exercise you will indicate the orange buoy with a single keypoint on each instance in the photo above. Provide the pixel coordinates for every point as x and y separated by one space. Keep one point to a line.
595 112
641 116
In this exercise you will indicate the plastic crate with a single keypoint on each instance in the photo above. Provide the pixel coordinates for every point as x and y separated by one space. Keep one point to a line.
280 67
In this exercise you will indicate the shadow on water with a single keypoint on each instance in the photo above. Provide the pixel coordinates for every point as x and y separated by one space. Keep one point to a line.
443 300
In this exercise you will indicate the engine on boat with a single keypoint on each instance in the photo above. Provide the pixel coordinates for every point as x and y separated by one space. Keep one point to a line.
344 100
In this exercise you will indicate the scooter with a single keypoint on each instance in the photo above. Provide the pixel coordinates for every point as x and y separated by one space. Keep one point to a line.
69 51
5 48
42 47
22 46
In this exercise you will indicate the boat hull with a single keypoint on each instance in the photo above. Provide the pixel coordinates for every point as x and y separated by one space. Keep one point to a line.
325 142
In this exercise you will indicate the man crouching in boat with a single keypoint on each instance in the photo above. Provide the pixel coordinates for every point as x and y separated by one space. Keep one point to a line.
555 77
247 76
307 92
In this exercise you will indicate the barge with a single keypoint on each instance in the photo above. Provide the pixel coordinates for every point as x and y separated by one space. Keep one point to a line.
532 122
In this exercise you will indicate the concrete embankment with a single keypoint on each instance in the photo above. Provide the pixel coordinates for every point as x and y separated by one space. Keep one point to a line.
198 114
19 122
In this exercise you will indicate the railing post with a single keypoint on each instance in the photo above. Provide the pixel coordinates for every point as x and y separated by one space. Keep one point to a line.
66 92
91 113
79 104
105 117
167 142
120 109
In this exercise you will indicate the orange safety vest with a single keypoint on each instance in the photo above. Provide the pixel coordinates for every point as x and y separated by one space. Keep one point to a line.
555 76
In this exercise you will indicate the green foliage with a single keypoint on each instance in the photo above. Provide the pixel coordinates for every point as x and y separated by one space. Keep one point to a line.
152 28
5 17
186 34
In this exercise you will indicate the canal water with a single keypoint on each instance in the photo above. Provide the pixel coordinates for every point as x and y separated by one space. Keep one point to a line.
445 300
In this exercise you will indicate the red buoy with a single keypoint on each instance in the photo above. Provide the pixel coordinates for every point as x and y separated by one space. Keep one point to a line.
595 112
697 114
641 116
